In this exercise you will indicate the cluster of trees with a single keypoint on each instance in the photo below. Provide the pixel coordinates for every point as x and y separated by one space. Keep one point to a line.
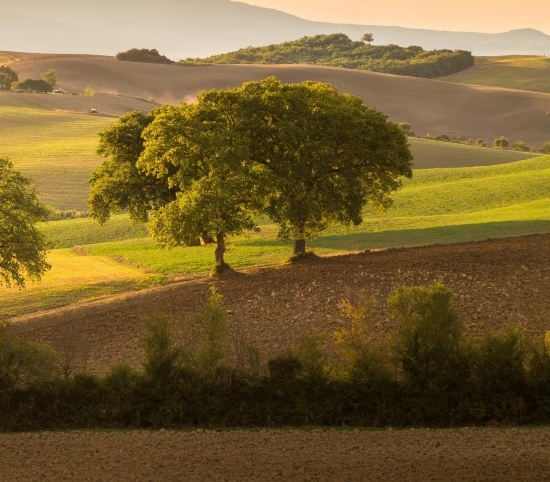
303 154
46 84
501 142
428 374
7 77
150 56
338 50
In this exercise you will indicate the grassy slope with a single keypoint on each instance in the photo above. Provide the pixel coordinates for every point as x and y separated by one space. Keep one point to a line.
521 72
430 209
55 149
436 206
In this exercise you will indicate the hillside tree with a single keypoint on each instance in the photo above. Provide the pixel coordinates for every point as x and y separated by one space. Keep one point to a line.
50 76
23 247
323 155
304 154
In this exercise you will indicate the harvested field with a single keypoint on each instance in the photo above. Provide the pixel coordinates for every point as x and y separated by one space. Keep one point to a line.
430 106
495 282
469 454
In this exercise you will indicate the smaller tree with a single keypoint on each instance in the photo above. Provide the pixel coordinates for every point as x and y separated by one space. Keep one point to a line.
520 146
22 246
367 38
501 143
545 148
7 77
50 76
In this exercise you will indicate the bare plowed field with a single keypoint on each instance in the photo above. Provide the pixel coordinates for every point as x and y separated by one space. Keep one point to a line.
495 283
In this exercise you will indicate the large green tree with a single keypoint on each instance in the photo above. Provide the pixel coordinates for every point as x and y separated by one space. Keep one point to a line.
323 155
304 154
23 247
179 168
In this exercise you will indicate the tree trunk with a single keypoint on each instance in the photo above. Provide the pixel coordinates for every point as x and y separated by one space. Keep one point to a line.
299 247
220 249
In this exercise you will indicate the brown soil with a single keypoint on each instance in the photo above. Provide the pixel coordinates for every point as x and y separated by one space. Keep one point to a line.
469 454
430 106
495 283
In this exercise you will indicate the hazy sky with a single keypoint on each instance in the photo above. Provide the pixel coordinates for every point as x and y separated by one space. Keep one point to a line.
465 15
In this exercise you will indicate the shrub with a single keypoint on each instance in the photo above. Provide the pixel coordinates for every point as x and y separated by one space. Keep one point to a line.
161 355
501 143
499 373
520 146
23 363
33 85
428 344
214 346
545 148
362 360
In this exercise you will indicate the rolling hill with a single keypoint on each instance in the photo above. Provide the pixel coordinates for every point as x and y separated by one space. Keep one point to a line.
430 106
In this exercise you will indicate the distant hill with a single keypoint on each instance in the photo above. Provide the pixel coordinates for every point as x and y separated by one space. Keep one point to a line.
430 106
200 28
338 50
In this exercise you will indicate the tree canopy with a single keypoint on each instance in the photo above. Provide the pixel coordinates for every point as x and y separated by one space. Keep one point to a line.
303 154
338 50
22 247
150 56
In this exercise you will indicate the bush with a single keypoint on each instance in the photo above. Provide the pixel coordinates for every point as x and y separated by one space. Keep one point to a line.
361 359
214 346
501 143
24 363
161 355
34 85
499 373
429 341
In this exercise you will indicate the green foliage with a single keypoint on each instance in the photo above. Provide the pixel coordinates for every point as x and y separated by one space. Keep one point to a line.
22 362
151 56
50 76
34 85
501 143
214 329
205 170
502 378
7 77
362 359
428 344
161 355
545 148
338 50
520 146
499 362
22 246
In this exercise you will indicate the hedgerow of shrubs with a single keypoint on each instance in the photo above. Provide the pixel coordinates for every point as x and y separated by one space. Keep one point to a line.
428 374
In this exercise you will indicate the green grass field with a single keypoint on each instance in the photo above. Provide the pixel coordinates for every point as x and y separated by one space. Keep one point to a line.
436 206
56 150
522 72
